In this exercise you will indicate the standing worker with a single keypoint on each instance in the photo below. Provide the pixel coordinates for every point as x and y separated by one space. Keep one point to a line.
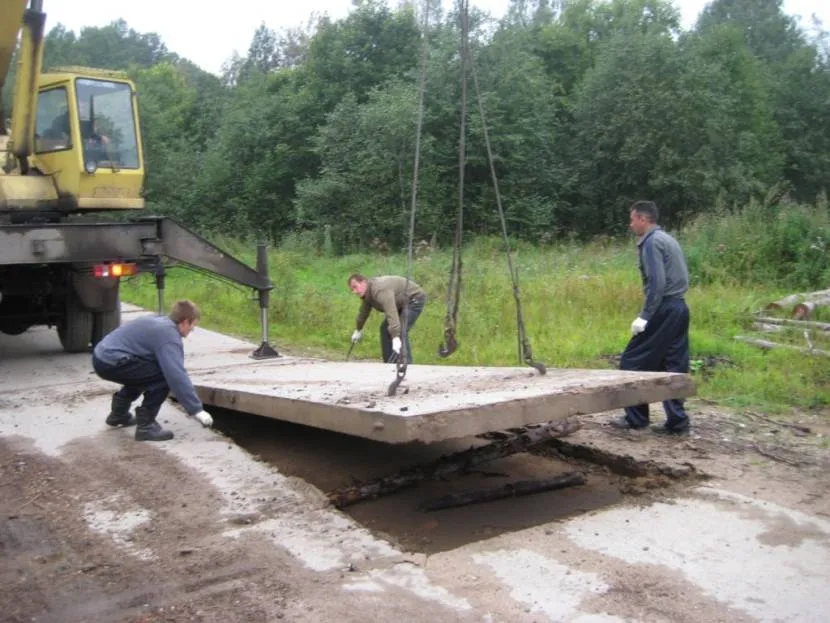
146 356
660 333
400 300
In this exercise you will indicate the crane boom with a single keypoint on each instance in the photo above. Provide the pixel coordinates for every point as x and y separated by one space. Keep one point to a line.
29 64
11 16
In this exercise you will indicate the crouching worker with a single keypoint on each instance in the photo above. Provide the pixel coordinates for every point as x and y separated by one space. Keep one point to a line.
146 356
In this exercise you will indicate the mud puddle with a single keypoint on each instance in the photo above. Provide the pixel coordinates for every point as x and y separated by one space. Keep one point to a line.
330 461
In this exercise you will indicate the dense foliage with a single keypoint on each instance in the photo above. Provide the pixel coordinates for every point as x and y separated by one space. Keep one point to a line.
589 105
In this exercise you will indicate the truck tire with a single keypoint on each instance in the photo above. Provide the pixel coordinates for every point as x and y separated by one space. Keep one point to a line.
104 323
75 329
14 329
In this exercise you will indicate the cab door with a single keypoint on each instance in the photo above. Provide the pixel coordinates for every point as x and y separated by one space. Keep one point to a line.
57 150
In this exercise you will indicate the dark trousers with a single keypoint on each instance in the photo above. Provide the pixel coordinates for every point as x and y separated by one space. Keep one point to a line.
137 377
662 347
408 316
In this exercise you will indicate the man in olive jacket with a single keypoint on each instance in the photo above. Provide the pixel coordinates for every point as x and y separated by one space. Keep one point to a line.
401 300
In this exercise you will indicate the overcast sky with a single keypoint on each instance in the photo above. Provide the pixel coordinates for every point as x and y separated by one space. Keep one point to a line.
209 36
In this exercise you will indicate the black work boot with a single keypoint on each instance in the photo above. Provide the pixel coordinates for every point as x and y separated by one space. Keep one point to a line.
120 412
147 429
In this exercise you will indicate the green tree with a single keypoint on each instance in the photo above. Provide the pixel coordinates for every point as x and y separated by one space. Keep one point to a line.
798 78
731 144
115 46
623 118
370 46
176 125
367 154
522 111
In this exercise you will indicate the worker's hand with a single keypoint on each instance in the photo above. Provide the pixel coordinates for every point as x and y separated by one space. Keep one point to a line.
357 335
396 345
638 326
204 418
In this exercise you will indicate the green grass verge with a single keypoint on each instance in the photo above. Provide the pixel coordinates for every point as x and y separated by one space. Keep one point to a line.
578 303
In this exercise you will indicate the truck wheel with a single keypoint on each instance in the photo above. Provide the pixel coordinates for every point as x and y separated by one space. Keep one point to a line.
104 323
75 329
14 329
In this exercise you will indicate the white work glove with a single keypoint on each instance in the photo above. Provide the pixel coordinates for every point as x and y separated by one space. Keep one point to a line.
357 335
638 326
396 345
204 418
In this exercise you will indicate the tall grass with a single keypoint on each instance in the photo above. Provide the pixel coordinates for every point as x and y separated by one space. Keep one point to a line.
578 301
766 242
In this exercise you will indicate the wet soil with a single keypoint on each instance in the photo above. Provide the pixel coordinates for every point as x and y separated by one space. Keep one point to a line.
173 564
330 461
740 451
55 569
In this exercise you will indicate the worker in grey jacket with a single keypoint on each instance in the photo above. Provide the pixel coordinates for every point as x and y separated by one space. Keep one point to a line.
660 332
401 301
146 356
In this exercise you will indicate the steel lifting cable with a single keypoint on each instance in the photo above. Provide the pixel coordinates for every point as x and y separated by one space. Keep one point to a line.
525 351
401 361
450 343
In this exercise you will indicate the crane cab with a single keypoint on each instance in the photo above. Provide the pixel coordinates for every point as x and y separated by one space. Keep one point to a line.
87 139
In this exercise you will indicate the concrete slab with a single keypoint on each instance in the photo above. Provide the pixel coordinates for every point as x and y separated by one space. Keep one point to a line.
434 403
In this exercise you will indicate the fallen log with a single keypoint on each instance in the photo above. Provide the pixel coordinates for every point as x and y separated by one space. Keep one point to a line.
793 299
805 310
802 305
452 465
805 324
515 489
766 327
768 345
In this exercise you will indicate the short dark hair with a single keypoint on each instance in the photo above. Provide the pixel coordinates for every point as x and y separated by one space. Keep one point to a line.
647 209
184 310
355 277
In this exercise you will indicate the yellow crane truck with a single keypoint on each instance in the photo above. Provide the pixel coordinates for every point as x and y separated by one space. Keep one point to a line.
71 157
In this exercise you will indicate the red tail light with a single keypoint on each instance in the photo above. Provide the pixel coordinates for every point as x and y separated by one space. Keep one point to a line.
114 271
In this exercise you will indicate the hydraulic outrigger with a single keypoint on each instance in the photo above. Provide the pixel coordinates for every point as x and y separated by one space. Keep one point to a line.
153 244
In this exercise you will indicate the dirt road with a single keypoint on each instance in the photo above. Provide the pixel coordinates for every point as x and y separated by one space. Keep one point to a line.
732 524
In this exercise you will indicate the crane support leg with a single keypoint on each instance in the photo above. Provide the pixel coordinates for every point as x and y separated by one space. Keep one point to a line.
154 243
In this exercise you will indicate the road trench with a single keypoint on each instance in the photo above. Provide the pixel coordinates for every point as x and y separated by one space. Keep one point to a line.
332 461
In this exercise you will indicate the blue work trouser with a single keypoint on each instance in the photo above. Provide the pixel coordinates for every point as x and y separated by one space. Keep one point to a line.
662 347
408 316
138 376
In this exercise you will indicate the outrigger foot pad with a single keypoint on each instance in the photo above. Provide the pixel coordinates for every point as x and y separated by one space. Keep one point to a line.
265 351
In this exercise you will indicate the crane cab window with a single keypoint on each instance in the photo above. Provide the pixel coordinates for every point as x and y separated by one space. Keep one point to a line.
52 129
107 123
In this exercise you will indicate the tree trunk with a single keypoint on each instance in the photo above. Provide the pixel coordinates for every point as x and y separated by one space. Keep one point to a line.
452 465
801 303
514 489
770 345
805 310
803 324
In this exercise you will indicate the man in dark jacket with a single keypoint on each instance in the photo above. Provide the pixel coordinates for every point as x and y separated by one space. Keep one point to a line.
146 356
400 300
660 333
